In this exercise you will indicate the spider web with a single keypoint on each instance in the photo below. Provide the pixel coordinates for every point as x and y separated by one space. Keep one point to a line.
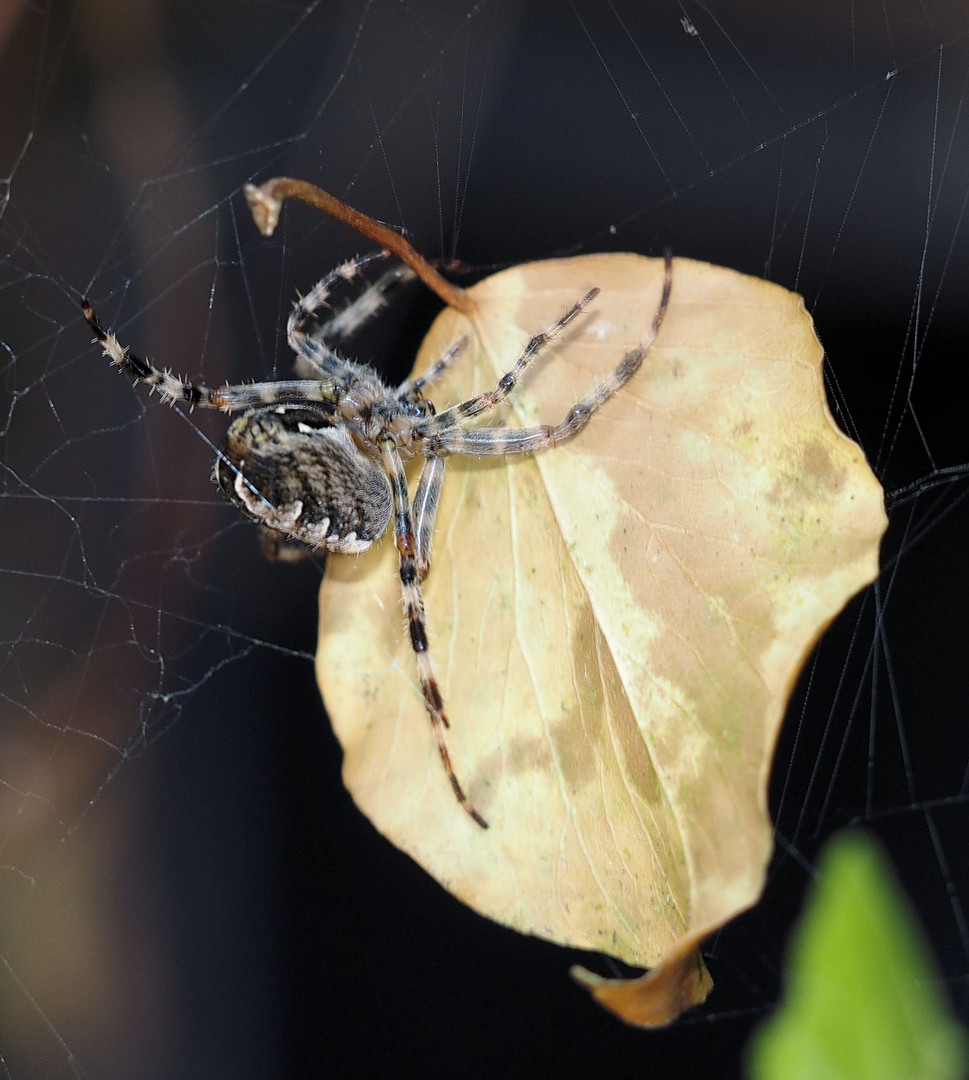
185 887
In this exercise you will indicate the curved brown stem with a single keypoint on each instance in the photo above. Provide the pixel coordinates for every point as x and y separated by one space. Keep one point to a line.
266 201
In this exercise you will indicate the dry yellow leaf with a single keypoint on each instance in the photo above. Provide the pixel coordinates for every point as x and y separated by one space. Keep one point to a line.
617 623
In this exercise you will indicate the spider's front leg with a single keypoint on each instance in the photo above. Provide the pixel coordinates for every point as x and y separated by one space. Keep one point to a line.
312 338
408 548
444 434
337 326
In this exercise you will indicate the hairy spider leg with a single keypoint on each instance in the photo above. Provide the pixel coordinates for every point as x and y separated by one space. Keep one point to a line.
227 398
348 320
441 434
426 500
410 587
428 493
412 388
315 358
481 403
171 387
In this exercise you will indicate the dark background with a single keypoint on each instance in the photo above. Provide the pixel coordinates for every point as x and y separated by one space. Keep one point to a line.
186 889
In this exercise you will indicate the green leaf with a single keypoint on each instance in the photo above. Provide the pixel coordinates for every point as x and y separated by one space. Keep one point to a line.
864 997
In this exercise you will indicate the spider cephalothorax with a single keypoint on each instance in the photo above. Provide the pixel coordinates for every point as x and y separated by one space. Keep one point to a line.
320 459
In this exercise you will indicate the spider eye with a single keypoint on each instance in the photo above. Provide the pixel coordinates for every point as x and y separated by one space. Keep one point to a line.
292 469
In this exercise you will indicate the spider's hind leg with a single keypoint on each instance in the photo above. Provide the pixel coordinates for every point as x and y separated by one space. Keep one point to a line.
426 500
410 578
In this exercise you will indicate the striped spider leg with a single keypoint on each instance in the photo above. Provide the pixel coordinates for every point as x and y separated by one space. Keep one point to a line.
443 435
319 461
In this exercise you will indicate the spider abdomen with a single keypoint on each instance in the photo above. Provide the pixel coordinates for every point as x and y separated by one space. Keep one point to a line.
292 469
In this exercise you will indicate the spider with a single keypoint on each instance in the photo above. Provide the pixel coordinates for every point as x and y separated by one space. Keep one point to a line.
319 460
